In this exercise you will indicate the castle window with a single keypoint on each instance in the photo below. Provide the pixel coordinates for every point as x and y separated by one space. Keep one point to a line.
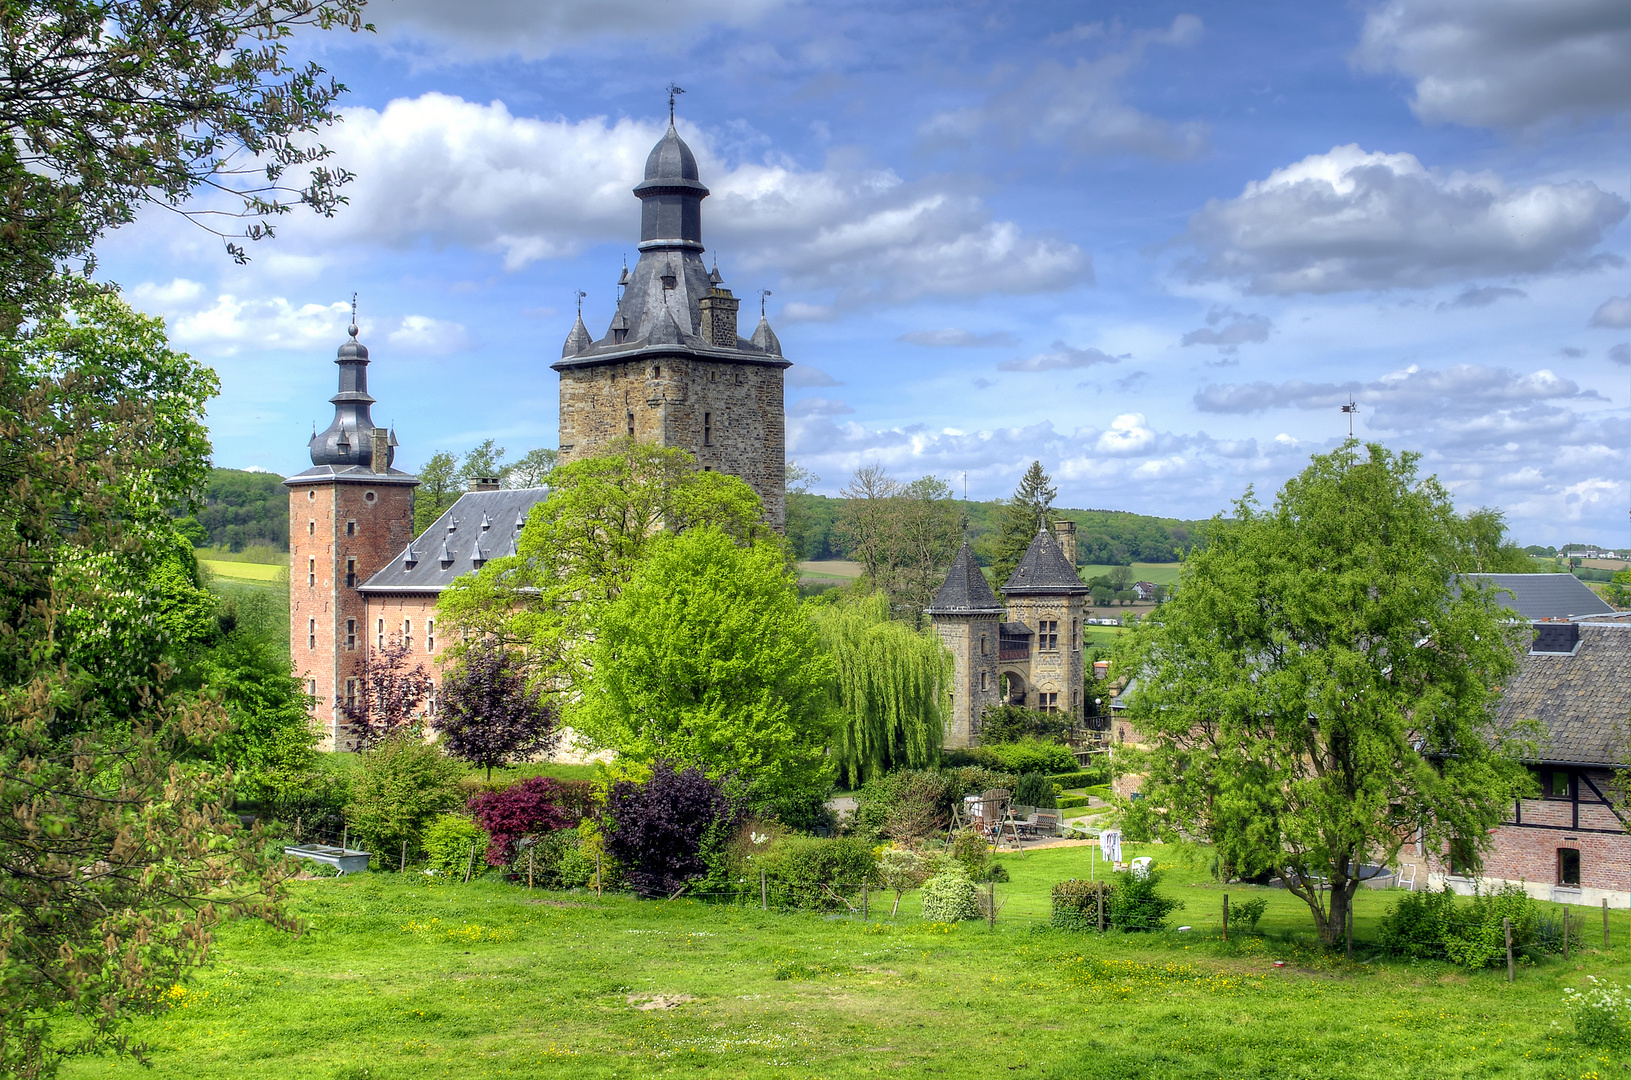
1568 866
1047 637
982 649
311 688
351 573
311 633
983 675
351 527
707 429
311 573
407 633
430 635
311 494
1047 702
631 425
657 372
380 630
311 527
1463 858
1075 642
351 694
368 496
351 633
430 701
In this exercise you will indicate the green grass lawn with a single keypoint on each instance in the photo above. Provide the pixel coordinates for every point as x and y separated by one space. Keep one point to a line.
1155 573
246 571
397 978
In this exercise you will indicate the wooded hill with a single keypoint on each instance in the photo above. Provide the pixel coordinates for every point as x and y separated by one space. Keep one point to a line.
1112 537
241 509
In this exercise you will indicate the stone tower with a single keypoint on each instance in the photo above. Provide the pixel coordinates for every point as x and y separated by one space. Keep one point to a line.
672 369
1046 601
967 615
348 515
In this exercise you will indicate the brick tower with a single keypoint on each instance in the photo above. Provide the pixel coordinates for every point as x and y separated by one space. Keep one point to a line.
348 515
672 369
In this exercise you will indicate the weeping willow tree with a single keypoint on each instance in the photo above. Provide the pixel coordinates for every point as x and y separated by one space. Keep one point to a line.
893 689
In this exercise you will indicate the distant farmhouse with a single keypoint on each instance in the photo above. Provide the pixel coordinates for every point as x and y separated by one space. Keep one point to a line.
670 370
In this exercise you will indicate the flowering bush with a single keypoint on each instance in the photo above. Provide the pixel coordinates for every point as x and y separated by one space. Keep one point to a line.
948 897
524 809
1601 1012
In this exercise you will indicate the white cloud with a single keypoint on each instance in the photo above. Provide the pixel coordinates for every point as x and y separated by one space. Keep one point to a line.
1129 434
1349 219
1079 106
230 325
174 292
815 406
533 29
1060 357
803 375
1504 63
433 337
1240 330
440 170
963 339
1613 312
1621 354
1456 391
798 311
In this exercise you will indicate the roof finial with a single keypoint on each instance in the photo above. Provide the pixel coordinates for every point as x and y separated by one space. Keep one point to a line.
672 91
352 329
762 294
580 295
1350 409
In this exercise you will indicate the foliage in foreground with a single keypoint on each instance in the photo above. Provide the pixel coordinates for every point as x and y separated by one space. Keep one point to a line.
662 829
1130 900
404 783
1433 926
1319 687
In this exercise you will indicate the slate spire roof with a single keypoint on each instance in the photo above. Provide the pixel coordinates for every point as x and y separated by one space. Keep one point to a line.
1044 569
965 591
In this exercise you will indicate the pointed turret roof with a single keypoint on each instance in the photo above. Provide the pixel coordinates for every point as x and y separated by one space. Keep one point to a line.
1044 569
578 340
965 591
765 337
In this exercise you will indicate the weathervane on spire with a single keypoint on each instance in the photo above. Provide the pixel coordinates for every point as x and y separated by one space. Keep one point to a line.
672 91
762 294
580 295
353 327
1350 409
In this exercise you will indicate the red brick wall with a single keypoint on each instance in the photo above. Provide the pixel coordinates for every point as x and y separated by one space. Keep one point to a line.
321 550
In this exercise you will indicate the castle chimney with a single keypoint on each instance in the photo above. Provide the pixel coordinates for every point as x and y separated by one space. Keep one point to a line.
484 483
1065 533
719 317
380 450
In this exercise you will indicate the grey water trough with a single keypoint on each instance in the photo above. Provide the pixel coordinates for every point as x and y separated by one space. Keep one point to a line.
343 859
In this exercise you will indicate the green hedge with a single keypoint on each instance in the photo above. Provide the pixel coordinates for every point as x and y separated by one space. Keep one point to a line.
799 870
1071 802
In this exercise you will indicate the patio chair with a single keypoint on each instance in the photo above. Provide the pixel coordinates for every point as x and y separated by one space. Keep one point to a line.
1406 878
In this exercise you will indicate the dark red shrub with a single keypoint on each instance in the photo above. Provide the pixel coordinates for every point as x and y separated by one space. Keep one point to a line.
520 810
486 714
657 829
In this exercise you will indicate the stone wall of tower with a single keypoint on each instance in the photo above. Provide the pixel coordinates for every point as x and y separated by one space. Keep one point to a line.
972 640
1058 671
340 533
728 414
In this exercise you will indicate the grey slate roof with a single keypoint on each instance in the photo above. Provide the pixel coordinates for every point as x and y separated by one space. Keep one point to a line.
965 591
1545 596
319 474
440 554
1583 700
1044 569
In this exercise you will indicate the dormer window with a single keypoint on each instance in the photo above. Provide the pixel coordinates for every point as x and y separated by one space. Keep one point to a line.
485 522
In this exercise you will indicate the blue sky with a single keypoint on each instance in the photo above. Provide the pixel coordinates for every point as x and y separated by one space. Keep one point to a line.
1154 246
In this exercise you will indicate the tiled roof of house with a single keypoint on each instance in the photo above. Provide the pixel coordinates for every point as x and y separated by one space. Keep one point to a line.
1582 700
965 591
482 525
1545 596
1044 569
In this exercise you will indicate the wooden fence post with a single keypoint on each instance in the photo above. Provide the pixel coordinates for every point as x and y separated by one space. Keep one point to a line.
1100 893
1506 925
530 853
991 904
1350 922
597 874
470 867
403 869
764 892
1605 922
1565 933
864 906
1225 916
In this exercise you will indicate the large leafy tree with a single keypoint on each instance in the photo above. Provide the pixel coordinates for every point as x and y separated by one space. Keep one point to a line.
1318 692
903 534
112 105
390 697
532 469
117 855
438 489
891 691
706 657
582 545
1022 515
486 713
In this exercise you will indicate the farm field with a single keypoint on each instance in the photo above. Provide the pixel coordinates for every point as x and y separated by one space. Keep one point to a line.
259 573
398 977
1155 573
830 569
